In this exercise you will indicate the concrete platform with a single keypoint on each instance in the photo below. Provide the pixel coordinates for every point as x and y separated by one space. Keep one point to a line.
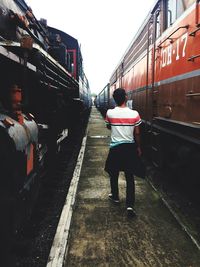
102 235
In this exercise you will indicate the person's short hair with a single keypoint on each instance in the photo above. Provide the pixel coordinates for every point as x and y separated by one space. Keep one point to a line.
119 96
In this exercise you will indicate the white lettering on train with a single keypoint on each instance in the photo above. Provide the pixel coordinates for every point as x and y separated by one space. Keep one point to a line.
174 51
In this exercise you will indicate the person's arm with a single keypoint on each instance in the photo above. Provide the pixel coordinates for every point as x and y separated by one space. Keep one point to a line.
108 126
107 121
137 139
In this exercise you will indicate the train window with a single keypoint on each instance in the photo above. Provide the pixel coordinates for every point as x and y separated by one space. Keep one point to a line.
158 28
171 12
175 8
187 3
70 61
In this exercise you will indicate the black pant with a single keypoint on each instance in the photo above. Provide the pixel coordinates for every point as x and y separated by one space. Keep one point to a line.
130 187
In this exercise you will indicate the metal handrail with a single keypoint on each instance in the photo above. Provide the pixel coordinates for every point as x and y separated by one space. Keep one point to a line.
192 58
194 32
181 27
192 94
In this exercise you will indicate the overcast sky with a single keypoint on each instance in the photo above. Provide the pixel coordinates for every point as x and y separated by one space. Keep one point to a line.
103 28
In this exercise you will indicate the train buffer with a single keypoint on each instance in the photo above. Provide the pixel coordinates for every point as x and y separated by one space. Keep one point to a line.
99 233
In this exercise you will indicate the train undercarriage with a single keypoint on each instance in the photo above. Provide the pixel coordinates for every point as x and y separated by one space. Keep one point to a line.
174 149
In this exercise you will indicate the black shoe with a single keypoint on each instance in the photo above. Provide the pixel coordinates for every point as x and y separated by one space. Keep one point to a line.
110 196
130 212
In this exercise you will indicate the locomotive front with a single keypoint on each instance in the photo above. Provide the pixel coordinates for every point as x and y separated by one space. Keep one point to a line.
40 99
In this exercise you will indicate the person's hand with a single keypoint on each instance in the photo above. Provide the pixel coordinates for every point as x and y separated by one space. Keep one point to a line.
108 126
139 151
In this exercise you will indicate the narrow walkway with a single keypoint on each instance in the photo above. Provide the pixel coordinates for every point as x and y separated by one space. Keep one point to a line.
102 235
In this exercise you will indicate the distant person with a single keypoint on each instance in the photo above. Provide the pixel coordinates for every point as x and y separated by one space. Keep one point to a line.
125 151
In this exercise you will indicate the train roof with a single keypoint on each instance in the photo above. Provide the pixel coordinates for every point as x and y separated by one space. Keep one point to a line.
103 89
137 34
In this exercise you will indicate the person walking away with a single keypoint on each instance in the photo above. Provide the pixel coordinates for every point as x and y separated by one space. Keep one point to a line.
125 151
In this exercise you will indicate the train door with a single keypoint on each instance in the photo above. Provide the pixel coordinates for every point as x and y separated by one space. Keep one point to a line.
72 62
151 110
153 32
148 105
156 32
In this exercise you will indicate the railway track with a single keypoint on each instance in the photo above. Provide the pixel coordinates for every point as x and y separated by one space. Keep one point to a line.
34 242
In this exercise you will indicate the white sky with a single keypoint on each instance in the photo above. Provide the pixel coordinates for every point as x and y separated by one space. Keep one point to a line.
104 28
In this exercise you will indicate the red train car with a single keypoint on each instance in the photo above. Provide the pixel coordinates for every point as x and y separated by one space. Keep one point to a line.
160 72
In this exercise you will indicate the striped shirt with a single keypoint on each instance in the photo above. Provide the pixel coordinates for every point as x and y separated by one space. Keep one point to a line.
122 121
